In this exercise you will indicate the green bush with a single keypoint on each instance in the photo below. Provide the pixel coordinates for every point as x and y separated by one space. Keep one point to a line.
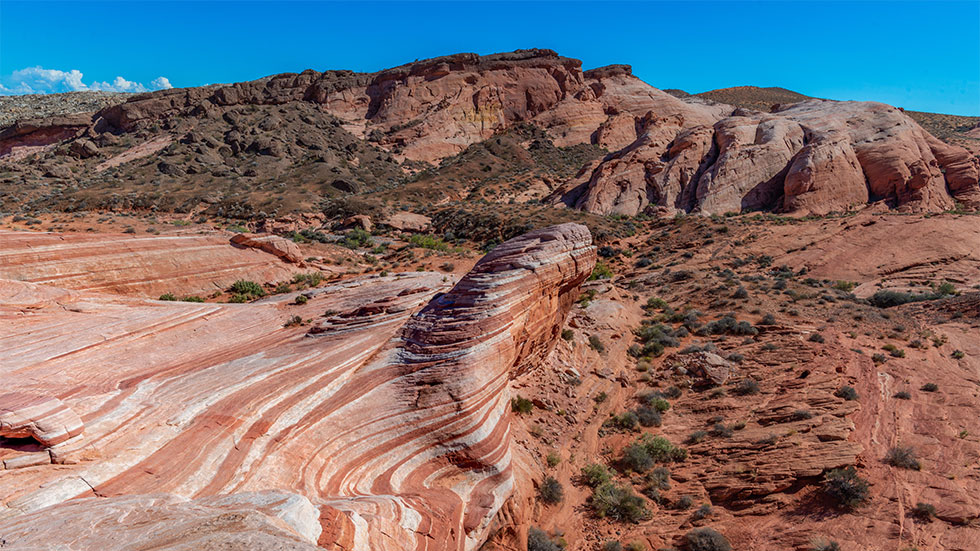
903 395
596 344
746 387
846 488
520 404
551 491
301 299
824 545
428 242
192 298
168 296
567 334
601 271
357 238
706 539
247 288
924 511
929 387
619 503
846 392
539 540
595 474
903 457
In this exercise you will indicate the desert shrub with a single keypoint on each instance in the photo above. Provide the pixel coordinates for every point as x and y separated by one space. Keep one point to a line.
619 503
878 358
727 325
192 298
924 511
735 357
596 344
846 392
539 540
929 387
601 397
301 299
903 395
551 491
697 436
428 242
648 417
846 488
312 279
247 288
637 458
612 545
567 334
636 546
293 321
684 503
816 337
357 238
702 512
624 421
595 474
887 299
895 351
706 539
658 403
520 404
846 286
746 387
660 477
719 430
824 545
656 303
601 271
740 293
958 354
168 296
553 459
904 457
672 392
768 319
801 415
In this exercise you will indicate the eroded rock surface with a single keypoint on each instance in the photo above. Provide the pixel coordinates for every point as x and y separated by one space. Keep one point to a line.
396 428
812 157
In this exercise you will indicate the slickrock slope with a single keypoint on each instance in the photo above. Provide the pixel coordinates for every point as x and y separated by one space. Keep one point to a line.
147 266
812 157
398 432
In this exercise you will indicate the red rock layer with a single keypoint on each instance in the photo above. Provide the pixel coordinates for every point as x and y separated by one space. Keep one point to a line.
397 432
813 157
138 266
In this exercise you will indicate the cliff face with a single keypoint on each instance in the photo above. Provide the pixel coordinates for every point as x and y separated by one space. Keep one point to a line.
357 132
812 157
396 429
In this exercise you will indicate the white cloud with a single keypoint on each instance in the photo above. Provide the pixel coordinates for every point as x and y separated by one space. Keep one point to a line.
161 83
38 80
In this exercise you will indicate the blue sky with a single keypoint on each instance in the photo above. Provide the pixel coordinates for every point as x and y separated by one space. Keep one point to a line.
917 55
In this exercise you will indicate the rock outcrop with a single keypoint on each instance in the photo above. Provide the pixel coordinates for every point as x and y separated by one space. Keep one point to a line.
146 266
43 418
396 428
812 157
272 244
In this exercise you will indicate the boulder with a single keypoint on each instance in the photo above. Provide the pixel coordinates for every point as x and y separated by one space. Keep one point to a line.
272 244
408 221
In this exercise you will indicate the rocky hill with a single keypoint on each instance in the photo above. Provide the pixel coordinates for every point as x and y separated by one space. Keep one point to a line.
282 144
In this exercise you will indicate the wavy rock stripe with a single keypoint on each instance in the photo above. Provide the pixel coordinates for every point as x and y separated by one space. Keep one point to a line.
135 266
397 433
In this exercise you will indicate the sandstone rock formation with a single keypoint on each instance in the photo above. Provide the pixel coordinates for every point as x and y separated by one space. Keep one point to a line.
272 244
812 157
396 429
146 266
